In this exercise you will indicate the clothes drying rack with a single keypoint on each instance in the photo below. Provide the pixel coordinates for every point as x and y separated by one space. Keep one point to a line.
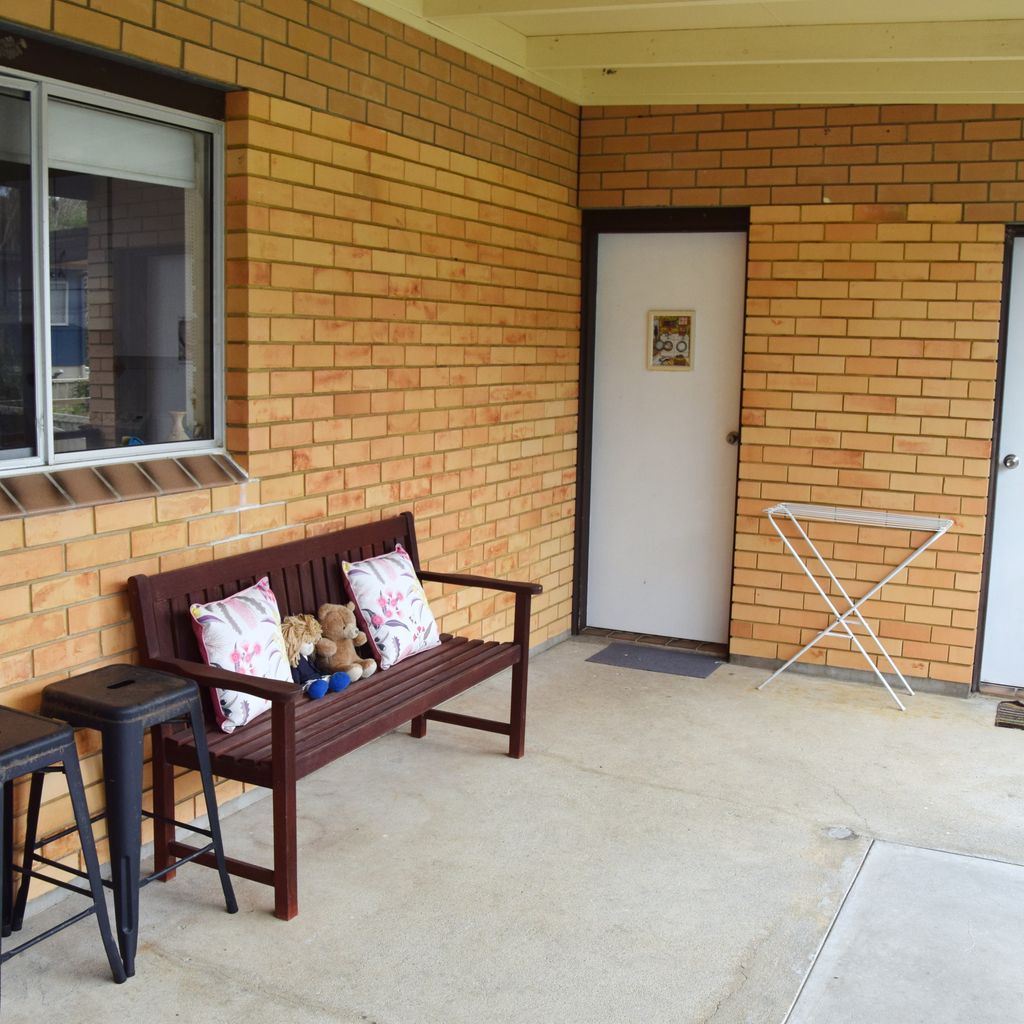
797 514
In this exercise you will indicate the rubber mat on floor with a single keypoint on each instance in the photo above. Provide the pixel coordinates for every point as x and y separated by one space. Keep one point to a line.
657 659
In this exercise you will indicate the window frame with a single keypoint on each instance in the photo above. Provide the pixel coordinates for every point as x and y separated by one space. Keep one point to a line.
39 89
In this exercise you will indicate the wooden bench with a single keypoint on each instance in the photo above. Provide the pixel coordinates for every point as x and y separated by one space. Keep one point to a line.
298 736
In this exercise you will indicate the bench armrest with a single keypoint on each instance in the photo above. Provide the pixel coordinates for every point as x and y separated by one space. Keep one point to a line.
464 580
207 676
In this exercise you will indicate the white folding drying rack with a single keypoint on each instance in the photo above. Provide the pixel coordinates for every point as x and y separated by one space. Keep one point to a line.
795 514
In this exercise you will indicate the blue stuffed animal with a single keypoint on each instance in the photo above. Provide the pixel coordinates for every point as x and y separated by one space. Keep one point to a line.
301 633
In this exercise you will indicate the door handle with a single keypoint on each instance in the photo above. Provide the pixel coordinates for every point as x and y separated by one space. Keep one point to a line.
1011 461
733 437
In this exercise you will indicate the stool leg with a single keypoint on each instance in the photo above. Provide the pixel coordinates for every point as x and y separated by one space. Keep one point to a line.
195 717
122 771
35 799
92 864
7 823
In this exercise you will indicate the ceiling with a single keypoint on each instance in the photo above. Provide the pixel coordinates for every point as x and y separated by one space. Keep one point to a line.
610 52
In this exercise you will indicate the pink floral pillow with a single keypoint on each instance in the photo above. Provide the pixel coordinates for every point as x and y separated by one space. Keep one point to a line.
242 633
391 602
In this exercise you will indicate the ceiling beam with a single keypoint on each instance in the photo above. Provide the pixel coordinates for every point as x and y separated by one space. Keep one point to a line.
469 8
968 41
767 12
880 82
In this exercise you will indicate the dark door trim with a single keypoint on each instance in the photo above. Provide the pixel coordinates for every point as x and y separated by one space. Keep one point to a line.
1013 231
595 224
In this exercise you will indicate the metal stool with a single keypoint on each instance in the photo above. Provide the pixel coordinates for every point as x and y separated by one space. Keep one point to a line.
31 744
122 701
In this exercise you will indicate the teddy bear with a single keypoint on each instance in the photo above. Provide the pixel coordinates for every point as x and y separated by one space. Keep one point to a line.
336 651
301 633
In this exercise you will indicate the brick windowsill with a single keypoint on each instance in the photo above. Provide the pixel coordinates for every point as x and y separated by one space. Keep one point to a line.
62 489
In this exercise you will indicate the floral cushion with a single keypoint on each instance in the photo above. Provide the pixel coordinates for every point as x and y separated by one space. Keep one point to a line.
390 601
242 633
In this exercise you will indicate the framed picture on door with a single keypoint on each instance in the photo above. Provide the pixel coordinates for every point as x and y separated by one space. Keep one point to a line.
670 339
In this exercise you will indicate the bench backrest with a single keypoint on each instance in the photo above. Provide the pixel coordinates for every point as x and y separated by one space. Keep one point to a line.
303 575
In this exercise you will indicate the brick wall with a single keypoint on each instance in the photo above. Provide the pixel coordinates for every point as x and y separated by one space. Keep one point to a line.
874 279
402 326
402 329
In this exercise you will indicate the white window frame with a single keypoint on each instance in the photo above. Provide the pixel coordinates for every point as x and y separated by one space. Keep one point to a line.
39 90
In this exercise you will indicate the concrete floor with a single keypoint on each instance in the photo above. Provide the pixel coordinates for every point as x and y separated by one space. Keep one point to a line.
922 937
662 854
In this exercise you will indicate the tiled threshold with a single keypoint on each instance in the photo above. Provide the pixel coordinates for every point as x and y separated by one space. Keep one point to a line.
654 640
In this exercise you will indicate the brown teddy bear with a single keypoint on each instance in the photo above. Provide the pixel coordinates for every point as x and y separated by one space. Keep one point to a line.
336 650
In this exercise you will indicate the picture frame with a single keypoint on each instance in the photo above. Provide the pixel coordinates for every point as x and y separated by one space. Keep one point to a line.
670 339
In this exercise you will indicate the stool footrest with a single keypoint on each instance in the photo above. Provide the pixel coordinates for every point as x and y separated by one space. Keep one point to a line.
198 830
29 943
198 852
57 881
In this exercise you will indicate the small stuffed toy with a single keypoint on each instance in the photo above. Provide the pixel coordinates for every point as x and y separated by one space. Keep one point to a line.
336 651
301 633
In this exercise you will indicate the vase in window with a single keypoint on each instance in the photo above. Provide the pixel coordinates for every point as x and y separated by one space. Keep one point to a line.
177 431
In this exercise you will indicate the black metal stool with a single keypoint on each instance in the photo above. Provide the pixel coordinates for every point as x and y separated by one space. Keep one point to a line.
30 744
122 701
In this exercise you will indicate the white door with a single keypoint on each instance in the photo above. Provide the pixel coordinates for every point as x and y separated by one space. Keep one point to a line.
663 471
1004 617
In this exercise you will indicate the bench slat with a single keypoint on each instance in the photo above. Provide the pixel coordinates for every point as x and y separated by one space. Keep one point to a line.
328 728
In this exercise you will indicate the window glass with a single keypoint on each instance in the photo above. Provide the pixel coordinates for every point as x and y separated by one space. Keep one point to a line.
17 320
131 337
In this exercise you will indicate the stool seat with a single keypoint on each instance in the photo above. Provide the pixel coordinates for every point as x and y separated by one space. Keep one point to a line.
122 702
28 740
119 694
32 745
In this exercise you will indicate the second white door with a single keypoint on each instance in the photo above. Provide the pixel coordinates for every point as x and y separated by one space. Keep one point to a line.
1004 616
663 467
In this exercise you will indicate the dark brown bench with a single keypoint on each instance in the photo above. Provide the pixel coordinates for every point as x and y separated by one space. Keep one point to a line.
298 736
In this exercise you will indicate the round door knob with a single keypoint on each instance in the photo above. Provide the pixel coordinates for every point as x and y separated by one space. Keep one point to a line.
1011 461
733 437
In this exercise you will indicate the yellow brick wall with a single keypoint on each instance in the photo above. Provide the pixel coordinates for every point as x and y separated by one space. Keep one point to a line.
402 333
402 320
873 302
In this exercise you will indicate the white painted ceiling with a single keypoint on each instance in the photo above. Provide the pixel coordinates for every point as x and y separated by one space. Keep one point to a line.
609 52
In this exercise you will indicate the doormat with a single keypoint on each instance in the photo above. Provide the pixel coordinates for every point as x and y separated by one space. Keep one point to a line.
657 659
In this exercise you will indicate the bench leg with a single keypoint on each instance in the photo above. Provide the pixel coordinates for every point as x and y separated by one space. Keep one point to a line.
517 713
286 875
163 806
286 872
419 726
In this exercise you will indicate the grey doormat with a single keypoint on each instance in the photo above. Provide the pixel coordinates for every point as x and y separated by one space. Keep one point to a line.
657 659
923 937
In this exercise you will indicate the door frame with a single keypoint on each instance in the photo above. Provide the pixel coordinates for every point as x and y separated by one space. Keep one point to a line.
1013 232
646 220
